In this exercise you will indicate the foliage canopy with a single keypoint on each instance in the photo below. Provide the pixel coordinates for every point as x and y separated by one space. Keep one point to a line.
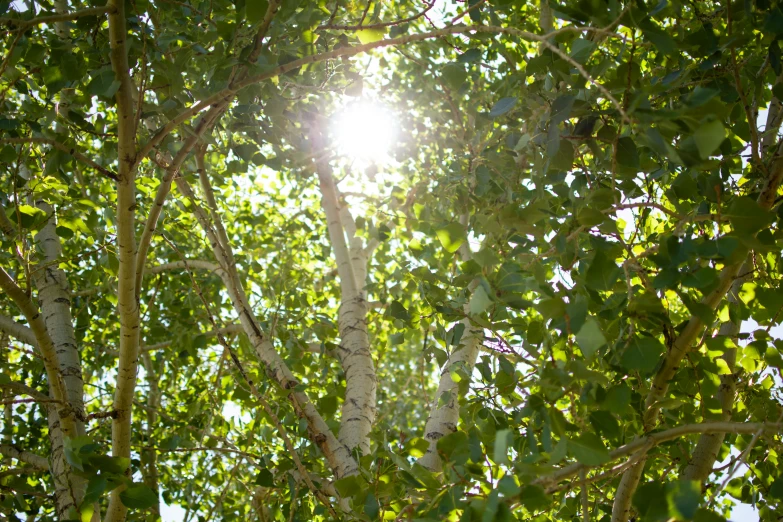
559 298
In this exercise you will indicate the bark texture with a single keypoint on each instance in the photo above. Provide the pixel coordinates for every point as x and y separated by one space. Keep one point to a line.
444 417
337 455
359 407
128 304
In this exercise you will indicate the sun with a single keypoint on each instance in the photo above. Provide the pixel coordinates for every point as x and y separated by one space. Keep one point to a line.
364 130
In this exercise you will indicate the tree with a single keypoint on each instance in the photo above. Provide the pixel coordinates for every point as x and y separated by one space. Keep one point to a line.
559 298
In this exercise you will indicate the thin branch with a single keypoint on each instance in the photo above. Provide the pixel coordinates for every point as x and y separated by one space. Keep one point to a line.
188 6
36 461
650 441
656 206
230 329
65 148
17 331
20 25
271 11
184 264
229 92
260 398
466 11
379 25
165 187
45 344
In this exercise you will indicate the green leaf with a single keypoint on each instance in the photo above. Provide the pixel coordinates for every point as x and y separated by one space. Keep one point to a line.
661 40
602 273
371 507
95 488
502 106
107 464
684 498
398 311
138 496
561 109
348 486
265 478
708 137
452 236
588 449
454 75
581 50
627 155
255 10
747 217
649 501
590 338
366 36
642 354
104 84
471 55
479 301
776 488
500 453
534 498
453 443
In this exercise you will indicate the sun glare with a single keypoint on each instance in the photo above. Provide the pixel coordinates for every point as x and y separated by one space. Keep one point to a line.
365 130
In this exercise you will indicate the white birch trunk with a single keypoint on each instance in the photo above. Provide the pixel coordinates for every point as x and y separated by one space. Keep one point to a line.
444 417
337 455
55 305
359 406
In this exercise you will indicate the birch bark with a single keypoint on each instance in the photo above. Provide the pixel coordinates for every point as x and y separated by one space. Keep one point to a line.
128 304
338 456
359 407
444 417
54 302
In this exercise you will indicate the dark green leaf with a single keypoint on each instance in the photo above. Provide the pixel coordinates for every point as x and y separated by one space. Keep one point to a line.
602 273
642 354
502 106
588 449
138 496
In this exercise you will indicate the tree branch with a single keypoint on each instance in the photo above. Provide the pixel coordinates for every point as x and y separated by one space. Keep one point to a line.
16 24
165 186
17 331
127 304
36 461
359 408
337 455
684 342
22 389
650 441
45 345
359 49
379 25
65 148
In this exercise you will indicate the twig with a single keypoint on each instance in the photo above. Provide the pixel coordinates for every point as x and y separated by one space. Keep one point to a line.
256 393
229 92
379 25
21 25
65 148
